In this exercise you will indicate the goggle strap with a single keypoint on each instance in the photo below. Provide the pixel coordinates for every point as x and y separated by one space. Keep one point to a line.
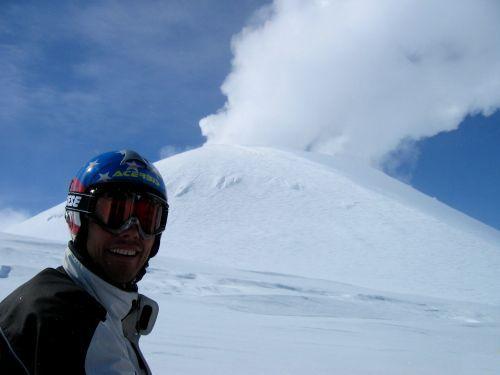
80 202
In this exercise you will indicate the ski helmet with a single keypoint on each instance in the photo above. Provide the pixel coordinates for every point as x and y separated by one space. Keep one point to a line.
111 170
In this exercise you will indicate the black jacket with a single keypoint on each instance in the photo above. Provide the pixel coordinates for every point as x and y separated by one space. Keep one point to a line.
46 326
71 321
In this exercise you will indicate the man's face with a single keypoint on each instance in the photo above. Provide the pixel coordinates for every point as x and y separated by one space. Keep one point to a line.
105 248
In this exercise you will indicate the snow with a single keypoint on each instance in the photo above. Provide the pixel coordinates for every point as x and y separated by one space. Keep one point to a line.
283 262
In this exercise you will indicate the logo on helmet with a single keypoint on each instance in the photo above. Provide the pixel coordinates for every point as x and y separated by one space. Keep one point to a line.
135 174
73 201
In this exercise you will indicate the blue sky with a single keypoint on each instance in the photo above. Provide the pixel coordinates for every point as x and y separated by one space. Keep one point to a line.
89 76
462 168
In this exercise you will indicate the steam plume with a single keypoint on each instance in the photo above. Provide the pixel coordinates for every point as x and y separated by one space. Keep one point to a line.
359 77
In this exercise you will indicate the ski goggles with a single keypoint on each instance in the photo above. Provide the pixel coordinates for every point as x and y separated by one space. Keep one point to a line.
117 210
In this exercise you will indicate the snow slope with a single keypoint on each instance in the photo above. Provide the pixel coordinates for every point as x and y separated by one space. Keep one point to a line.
219 320
315 216
277 262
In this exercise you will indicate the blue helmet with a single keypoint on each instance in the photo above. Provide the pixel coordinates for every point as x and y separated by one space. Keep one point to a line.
124 168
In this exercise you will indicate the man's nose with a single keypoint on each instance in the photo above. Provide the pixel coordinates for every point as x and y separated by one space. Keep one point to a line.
132 232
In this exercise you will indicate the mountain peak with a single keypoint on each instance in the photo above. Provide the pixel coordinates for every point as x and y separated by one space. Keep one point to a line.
316 216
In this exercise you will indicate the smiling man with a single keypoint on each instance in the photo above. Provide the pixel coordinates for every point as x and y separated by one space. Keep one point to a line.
86 317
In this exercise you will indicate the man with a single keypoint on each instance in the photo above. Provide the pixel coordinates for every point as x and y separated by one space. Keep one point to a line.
86 317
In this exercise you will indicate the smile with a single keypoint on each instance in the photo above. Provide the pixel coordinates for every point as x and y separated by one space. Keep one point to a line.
125 252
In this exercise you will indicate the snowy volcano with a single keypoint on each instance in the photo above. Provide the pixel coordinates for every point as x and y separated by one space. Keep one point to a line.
315 216
344 252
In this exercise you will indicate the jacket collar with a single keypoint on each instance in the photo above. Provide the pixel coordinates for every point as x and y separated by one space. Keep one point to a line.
116 301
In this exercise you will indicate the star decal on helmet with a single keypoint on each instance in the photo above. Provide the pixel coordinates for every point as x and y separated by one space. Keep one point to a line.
103 177
130 156
133 165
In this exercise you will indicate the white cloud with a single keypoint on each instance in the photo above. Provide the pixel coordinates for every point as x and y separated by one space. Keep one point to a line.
359 77
98 63
10 217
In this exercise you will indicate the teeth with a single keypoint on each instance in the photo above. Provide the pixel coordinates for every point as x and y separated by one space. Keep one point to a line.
124 252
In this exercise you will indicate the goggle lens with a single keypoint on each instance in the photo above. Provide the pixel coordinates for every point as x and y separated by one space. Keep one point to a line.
114 209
